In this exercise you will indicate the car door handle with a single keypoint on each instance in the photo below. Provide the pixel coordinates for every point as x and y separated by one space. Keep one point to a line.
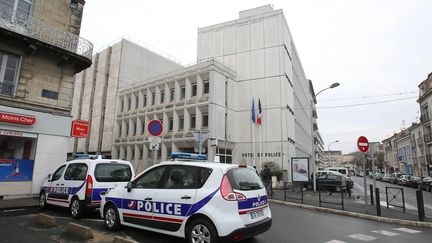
186 197
148 198
61 184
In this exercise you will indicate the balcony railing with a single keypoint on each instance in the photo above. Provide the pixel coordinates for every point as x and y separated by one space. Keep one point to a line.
6 88
37 29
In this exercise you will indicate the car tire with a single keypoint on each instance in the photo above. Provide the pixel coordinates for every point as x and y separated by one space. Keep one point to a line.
42 200
76 208
111 218
201 229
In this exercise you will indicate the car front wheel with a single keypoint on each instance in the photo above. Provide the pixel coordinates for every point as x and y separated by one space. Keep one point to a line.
111 218
202 231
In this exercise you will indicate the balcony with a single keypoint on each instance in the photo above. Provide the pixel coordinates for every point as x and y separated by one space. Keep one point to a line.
31 27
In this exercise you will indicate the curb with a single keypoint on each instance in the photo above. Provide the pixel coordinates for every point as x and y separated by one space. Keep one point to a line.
119 239
356 215
45 220
78 230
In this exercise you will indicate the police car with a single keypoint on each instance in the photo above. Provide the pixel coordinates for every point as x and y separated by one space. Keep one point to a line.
200 201
79 184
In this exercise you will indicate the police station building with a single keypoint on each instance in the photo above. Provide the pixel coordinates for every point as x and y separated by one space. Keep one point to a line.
248 91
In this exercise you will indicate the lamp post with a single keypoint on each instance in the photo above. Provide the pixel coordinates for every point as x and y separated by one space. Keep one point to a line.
313 101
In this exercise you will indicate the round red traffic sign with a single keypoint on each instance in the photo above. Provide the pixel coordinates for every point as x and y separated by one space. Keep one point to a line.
363 144
155 128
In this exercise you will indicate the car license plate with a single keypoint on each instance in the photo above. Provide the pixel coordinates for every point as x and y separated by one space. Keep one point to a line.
257 214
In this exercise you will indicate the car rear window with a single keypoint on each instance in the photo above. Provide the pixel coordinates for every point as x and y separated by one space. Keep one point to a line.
244 179
108 172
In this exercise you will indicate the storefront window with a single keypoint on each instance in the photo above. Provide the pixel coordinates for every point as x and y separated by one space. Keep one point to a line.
17 158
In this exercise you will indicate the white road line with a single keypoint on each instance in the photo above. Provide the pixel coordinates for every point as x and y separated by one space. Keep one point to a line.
406 230
362 237
384 232
335 241
12 210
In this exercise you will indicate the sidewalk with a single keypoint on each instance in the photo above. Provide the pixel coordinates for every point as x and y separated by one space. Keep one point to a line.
353 204
8 204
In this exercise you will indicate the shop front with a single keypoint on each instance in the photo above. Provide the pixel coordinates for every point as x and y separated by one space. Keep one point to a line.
32 145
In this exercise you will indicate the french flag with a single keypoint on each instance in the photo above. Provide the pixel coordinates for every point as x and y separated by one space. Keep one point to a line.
253 111
259 118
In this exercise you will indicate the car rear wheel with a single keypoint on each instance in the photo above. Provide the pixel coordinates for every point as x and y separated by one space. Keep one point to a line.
42 200
202 231
111 218
76 208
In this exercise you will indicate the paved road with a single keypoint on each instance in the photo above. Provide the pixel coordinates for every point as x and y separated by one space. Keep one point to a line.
409 193
289 225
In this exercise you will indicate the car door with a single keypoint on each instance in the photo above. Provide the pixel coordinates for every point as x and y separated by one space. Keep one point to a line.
175 198
74 180
138 203
53 188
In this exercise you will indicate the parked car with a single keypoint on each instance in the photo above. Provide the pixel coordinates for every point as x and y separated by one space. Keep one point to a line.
426 183
404 180
414 181
395 177
79 184
334 182
386 178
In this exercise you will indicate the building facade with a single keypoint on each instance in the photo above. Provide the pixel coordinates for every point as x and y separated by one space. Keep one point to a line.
333 158
425 102
40 51
120 65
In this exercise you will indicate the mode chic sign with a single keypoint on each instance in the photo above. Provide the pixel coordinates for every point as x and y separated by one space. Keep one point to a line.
17 119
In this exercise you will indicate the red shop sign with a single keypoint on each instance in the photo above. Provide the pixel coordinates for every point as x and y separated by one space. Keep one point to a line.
17 119
80 129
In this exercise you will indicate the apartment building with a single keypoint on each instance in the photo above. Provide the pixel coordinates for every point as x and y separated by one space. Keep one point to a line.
333 158
40 52
425 102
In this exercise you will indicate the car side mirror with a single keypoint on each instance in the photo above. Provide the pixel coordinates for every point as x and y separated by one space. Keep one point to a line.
129 186
49 177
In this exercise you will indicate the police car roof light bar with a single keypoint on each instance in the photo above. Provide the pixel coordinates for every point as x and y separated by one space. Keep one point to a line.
188 156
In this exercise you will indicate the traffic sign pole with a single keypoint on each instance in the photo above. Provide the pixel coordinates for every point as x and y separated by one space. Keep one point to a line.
363 146
155 130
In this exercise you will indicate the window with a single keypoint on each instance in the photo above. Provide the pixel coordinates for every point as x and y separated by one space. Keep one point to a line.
127 129
143 127
172 93
17 11
140 153
182 92
206 87
133 129
120 129
76 172
136 102
181 177
244 179
205 120
145 101
153 98
49 94
112 172
8 73
192 121
129 104
149 179
194 90
171 124
181 123
162 94
59 172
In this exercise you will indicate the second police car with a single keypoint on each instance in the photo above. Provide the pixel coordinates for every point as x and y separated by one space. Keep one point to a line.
79 184
199 201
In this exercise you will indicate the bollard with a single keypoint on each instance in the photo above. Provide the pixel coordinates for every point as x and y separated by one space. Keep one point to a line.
377 202
371 194
420 205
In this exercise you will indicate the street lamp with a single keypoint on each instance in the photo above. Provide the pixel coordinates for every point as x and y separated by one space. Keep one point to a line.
328 147
313 101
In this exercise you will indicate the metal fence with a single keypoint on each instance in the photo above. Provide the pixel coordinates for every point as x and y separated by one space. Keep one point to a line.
395 197
34 28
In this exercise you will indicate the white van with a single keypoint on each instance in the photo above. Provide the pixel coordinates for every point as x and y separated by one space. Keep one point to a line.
342 170
79 184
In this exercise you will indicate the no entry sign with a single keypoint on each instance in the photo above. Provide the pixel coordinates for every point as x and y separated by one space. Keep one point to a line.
363 144
155 128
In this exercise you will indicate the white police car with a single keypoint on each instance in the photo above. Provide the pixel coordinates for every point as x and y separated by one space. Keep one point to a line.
79 184
200 201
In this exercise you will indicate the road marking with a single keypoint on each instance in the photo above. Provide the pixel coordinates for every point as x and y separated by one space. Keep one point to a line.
335 241
406 230
386 233
12 210
362 237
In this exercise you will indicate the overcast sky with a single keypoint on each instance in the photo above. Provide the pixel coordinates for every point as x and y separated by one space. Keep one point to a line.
379 50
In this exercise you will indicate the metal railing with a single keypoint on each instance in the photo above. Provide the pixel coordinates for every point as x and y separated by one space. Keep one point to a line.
6 88
31 27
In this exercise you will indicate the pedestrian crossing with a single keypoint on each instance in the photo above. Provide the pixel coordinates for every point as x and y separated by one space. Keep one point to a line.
375 234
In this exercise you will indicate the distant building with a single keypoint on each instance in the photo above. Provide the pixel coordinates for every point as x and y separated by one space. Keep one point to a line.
425 102
118 66
40 52
333 158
